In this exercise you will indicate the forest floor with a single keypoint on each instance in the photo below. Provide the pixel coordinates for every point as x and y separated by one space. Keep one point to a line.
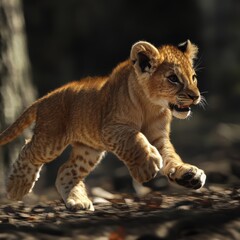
210 213
156 211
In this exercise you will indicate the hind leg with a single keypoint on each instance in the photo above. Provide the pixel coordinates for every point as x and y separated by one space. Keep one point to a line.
70 177
25 170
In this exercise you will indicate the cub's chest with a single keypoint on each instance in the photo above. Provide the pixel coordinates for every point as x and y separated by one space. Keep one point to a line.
156 125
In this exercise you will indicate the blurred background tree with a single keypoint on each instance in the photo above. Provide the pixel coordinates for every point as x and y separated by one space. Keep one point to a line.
16 88
68 40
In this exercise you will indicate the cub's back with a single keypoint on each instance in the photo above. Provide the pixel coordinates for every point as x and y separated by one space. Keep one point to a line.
79 108
72 108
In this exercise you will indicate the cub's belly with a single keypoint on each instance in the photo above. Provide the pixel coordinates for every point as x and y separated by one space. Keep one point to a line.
88 134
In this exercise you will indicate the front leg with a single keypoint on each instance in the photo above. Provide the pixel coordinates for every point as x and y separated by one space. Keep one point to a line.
176 170
132 147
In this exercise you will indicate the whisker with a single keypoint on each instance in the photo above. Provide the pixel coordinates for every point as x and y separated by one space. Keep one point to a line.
204 92
198 69
203 102
199 61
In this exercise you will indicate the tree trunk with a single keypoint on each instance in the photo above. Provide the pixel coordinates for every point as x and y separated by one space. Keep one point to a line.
16 89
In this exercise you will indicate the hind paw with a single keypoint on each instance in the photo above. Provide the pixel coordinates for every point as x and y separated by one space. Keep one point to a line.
17 188
79 204
21 180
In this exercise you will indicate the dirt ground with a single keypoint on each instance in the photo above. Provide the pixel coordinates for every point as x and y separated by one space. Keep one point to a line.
124 211
210 213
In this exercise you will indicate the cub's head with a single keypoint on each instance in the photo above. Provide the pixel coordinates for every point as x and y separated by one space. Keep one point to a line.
167 75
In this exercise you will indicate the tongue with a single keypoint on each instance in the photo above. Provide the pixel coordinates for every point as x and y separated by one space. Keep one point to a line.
181 109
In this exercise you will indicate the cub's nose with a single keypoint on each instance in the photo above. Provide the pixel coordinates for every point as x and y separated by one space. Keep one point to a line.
193 97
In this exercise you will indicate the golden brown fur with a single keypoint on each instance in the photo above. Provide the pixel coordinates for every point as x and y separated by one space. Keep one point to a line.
128 113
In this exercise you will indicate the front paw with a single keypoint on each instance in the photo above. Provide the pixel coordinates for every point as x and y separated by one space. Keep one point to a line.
187 176
146 169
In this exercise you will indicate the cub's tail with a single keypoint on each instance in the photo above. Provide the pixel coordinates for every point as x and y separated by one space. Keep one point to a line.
27 117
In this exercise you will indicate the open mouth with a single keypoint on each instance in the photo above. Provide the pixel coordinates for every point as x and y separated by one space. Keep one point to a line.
179 108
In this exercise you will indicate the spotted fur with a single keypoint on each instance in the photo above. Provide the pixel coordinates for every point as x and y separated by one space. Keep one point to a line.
128 113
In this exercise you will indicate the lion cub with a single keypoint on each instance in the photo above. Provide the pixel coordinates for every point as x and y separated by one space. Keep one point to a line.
128 113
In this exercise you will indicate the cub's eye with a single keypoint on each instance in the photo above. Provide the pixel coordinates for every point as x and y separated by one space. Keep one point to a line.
194 77
173 79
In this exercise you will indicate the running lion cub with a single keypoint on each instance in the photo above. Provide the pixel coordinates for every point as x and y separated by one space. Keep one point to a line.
128 113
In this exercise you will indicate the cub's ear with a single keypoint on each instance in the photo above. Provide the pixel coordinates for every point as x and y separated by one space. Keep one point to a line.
144 57
189 49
